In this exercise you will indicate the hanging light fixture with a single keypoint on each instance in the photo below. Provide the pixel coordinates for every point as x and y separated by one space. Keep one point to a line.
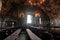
42 1
30 2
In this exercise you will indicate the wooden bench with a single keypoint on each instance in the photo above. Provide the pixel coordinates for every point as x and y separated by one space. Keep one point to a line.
14 35
32 35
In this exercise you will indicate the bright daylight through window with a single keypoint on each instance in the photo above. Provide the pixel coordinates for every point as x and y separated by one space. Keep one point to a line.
29 19
39 20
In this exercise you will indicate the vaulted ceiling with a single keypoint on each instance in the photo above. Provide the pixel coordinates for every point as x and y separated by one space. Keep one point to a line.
50 7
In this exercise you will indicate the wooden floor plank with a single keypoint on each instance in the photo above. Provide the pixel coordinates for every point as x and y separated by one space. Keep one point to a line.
32 35
14 35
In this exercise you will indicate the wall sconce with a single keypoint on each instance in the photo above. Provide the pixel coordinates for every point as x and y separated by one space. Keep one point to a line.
21 15
37 14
